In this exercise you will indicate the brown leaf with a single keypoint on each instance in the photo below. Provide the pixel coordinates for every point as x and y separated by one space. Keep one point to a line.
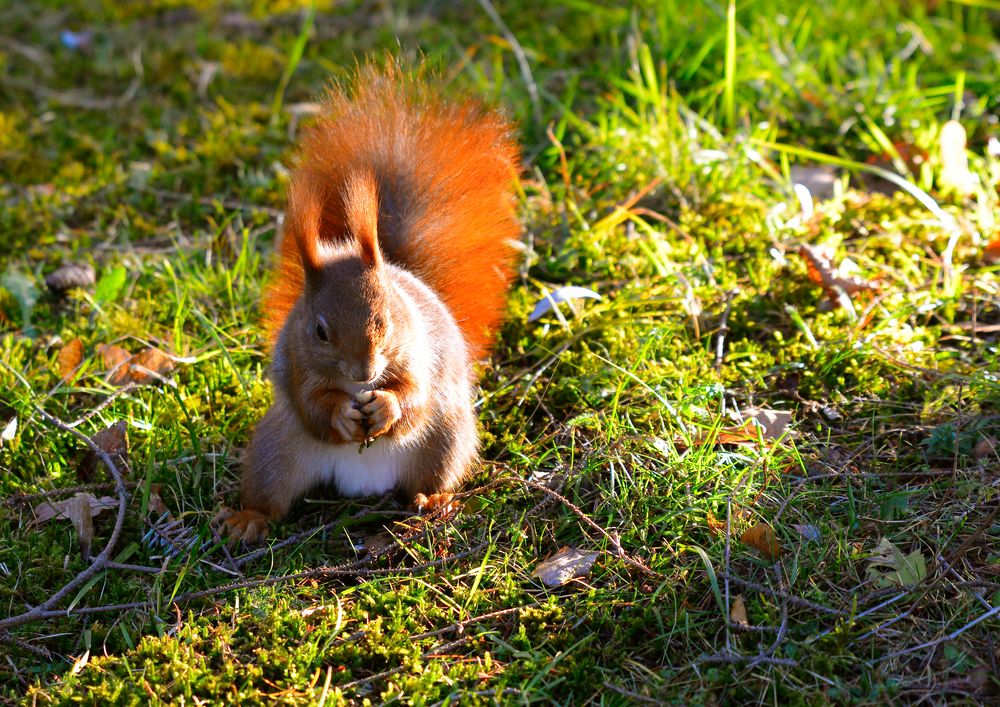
83 521
738 611
822 255
986 447
70 276
822 271
150 366
772 423
60 510
715 526
569 563
114 442
762 538
80 509
991 253
115 360
156 504
759 423
69 359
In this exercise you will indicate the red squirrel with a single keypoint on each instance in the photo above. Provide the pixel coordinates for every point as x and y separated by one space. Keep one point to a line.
390 283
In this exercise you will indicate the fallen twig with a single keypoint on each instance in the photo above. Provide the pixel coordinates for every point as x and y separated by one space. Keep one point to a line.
101 561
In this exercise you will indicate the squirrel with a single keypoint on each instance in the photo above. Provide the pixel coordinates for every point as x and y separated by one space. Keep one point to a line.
390 283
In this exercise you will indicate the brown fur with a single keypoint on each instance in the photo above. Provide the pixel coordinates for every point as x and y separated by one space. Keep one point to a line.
443 171
391 281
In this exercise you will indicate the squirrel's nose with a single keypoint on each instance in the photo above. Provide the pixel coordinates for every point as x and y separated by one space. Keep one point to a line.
371 369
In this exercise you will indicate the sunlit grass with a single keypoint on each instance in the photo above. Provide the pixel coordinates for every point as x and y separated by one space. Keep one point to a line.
658 177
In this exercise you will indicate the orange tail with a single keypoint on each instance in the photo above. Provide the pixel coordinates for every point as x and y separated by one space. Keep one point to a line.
444 172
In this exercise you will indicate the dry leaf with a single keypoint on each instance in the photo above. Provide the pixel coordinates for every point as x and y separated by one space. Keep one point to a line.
986 447
156 504
115 360
70 276
809 531
311 610
69 359
567 294
661 445
9 432
569 563
83 521
80 509
114 442
890 567
991 254
759 423
834 281
738 611
762 538
376 543
80 663
61 510
773 424
715 526
150 366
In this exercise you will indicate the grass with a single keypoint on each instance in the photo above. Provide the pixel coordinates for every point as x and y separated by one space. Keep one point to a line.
658 175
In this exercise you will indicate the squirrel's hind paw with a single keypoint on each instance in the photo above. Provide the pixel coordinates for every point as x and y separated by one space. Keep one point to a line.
439 502
247 525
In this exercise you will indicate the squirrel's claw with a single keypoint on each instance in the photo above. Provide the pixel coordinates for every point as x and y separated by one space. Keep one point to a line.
348 422
382 412
247 525
435 502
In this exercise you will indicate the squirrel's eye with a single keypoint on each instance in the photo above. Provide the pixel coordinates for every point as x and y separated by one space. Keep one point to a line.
321 333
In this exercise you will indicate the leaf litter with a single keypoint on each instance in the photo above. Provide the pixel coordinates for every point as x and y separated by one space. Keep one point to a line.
149 366
113 441
837 281
890 567
764 540
80 509
567 564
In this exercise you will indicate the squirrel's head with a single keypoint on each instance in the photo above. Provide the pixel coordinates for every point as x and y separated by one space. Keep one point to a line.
347 322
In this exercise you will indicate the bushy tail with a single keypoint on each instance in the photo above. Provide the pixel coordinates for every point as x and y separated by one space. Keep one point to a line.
444 171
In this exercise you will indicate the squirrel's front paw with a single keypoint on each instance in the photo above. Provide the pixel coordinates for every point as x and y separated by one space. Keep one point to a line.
381 410
247 525
348 421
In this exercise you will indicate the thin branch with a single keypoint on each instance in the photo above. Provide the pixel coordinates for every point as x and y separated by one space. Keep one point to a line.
615 543
791 599
995 611
101 561
519 54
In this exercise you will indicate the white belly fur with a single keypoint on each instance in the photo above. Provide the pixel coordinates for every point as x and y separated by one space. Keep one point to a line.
376 470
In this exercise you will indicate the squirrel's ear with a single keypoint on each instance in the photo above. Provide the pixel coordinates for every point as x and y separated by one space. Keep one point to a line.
304 218
361 215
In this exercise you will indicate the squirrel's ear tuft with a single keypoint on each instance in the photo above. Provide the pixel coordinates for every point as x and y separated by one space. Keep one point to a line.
304 218
361 215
